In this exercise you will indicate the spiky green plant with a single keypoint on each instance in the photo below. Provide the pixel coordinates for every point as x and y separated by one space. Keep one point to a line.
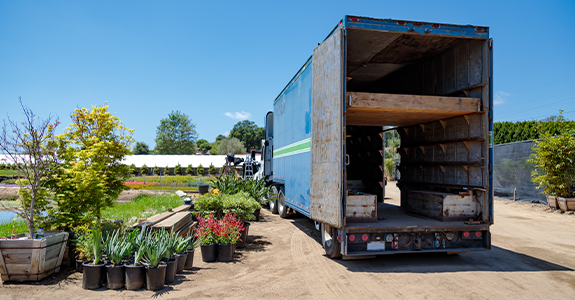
97 244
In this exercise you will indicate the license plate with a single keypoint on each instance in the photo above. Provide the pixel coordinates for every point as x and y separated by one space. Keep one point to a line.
376 246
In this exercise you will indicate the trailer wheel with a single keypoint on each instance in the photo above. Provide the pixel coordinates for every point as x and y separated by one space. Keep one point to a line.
282 208
329 240
274 203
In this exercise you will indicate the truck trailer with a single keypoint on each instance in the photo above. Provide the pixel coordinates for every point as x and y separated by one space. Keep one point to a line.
323 152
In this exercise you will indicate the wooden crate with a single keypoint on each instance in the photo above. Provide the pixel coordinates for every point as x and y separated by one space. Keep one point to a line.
552 201
566 204
442 206
361 208
32 260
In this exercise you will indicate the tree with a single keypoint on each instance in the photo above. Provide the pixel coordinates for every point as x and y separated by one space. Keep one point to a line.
90 174
200 170
554 160
141 148
156 170
133 169
29 146
176 135
248 133
145 170
203 145
220 137
190 170
167 170
178 169
212 169
231 145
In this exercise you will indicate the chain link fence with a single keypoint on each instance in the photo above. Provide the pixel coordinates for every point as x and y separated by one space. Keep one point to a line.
512 172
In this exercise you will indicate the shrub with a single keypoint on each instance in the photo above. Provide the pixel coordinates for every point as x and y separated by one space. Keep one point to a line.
133 169
167 170
219 204
212 170
178 169
554 160
200 170
156 170
389 167
190 170
145 170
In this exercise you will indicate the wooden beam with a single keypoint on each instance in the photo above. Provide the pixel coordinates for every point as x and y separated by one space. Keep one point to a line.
404 110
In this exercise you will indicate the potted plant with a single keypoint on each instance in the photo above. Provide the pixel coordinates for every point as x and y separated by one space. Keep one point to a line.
554 160
227 234
181 248
193 244
83 243
94 270
135 273
205 234
155 273
116 251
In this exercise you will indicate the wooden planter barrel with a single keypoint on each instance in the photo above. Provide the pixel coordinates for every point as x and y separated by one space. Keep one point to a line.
32 260
566 204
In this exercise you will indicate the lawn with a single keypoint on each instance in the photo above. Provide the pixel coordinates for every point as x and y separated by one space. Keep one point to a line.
8 173
143 206
6 227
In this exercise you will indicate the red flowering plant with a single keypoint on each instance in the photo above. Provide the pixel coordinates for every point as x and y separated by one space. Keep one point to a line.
206 230
229 229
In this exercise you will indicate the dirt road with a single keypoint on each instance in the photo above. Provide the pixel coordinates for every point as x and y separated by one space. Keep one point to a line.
532 258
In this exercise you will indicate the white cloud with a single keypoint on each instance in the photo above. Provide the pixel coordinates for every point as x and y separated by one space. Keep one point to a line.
500 97
239 115
226 133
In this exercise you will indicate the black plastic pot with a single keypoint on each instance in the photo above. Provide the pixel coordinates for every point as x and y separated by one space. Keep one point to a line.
93 277
189 260
203 188
181 263
79 267
257 214
244 236
155 278
135 277
171 266
209 253
115 276
234 248
225 252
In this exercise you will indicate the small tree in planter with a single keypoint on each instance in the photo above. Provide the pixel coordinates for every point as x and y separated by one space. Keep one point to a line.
554 160
156 170
167 170
133 170
29 146
144 170
178 169
200 170
212 170
190 170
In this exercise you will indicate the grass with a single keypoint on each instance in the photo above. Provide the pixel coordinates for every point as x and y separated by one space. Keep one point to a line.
8 173
172 178
6 227
143 206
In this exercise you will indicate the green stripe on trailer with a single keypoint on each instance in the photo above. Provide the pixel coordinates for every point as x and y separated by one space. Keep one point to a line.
292 149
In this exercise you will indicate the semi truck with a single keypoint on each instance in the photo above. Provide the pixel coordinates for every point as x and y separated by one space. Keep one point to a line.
323 152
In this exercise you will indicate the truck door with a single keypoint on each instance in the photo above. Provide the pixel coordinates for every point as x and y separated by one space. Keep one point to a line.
268 146
326 134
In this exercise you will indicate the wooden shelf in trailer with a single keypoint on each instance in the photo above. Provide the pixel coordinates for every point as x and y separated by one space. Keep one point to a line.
374 109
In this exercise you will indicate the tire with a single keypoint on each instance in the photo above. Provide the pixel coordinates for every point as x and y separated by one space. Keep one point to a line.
282 208
329 241
274 204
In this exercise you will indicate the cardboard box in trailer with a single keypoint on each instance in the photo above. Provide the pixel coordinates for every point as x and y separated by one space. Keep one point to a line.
324 148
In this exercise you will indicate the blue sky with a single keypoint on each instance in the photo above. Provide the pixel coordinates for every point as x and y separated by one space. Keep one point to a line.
222 61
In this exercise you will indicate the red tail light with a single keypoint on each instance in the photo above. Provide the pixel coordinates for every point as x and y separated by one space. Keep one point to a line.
351 238
364 237
480 28
339 239
355 19
466 234
478 234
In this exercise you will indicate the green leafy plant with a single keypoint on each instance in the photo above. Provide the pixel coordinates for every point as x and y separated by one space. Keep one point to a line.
178 169
167 171
83 241
133 169
190 170
144 170
200 170
156 170
182 244
96 244
218 204
212 170
155 249
554 160
117 248
389 167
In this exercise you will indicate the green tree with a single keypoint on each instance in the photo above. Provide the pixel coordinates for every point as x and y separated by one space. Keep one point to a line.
554 159
166 170
90 174
203 145
190 170
231 145
176 134
200 170
212 169
178 169
141 148
29 146
248 133
220 137
133 169
144 170
156 170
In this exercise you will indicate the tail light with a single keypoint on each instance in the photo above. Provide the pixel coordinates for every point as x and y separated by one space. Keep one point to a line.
364 237
466 234
480 28
351 238
478 234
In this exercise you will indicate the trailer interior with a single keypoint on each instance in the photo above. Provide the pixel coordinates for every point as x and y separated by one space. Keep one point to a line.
434 91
